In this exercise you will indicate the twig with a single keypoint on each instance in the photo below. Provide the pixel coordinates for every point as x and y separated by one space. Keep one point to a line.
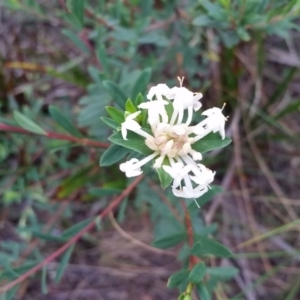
135 241
74 239
54 135
190 232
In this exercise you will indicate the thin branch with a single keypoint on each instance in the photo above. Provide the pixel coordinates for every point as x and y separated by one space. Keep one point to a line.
74 239
54 135
190 232
135 241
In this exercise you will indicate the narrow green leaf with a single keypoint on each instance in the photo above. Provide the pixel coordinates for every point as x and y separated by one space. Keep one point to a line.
110 122
112 155
139 99
281 88
70 232
47 237
44 280
60 119
11 294
170 240
212 247
134 142
164 178
116 114
141 83
290 108
76 40
115 92
77 8
243 34
203 292
72 20
223 272
177 278
102 58
74 182
210 142
16 272
27 124
197 249
129 106
197 273
63 263
203 21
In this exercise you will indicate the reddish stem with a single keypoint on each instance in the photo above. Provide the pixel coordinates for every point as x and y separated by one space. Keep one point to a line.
74 239
190 232
54 135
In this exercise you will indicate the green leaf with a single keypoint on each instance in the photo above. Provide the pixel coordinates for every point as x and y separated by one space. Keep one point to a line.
129 106
70 232
3 153
112 155
139 99
77 8
75 182
10 294
197 249
212 247
102 58
197 273
170 240
116 114
203 292
177 278
282 87
64 122
47 237
44 280
27 124
72 20
164 177
134 142
110 122
210 142
115 92
203 21
76 40
223 272
63 263
141 83
243 34
290 108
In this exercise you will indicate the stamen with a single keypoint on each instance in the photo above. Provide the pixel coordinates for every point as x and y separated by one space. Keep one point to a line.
223 106
196 203
180 80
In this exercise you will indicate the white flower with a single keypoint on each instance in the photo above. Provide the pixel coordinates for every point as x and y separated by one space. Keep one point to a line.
172 138
130 124
159 91
184 99
132 167
155 108
215 121
129 168
202 176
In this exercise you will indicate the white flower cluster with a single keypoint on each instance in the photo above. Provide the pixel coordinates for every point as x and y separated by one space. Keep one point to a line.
172 138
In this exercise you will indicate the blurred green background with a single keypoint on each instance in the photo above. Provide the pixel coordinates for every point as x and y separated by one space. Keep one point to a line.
63 53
